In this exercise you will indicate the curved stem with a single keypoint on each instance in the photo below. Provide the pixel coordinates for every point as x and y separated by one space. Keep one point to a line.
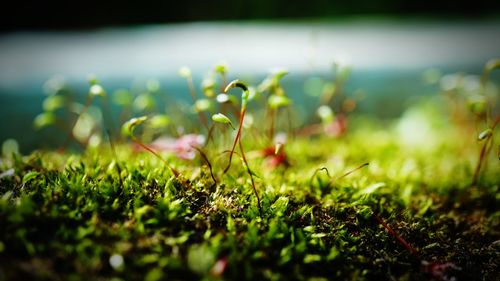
204 156
396 235
353 170
138 142
238 136
251 177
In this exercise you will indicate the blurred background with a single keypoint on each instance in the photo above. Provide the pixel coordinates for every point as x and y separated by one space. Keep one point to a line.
395 51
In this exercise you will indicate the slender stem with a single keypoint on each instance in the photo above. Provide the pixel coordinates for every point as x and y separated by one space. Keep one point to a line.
174 171
210 134
251 177
398 237
352 171
238 135
204 156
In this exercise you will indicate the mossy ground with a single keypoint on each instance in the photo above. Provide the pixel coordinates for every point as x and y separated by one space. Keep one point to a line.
67 216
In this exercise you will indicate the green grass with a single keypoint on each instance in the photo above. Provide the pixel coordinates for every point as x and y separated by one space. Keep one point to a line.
411 214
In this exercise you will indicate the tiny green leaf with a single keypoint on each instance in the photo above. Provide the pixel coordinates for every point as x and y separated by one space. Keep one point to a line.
371 188
280 205
221 118
29 176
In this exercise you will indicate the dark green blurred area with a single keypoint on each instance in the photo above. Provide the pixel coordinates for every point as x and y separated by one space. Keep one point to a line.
50 15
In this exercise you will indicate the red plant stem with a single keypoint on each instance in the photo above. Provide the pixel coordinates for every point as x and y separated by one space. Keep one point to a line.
395 235
174 171
204 156
251 177
354 170
238 135
482 153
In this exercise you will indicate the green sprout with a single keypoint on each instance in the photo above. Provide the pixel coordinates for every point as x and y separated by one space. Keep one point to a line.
244 102
128 130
